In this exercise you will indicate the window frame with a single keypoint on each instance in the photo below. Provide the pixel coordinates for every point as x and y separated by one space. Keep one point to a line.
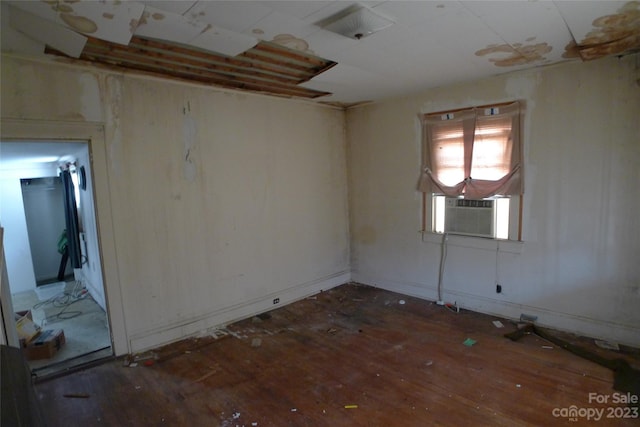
516 201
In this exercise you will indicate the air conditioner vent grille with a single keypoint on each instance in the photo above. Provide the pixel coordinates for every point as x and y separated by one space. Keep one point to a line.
470 217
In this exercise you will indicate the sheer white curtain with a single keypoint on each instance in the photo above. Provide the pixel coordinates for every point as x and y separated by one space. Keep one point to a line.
475 153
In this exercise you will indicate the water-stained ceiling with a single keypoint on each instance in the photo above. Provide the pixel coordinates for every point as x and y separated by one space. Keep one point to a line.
285 48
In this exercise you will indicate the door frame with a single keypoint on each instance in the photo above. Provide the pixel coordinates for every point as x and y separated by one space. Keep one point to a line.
93 133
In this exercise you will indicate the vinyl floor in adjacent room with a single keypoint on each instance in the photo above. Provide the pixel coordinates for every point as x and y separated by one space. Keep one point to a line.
83 321
351 356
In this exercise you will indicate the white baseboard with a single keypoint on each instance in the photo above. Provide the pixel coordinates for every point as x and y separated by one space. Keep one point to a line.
189 327
580 325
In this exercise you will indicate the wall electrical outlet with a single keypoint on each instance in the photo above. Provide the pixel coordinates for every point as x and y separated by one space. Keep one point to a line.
276 300
498 289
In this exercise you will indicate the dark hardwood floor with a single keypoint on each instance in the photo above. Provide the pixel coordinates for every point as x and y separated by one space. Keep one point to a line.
351 356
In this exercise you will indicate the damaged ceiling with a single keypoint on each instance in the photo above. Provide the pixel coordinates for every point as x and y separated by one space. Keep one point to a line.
289 48
266 67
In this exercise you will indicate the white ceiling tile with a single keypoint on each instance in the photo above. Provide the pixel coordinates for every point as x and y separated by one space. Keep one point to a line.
328 11
173 27
38 8
224 41
326 43
231 15
13 40
107 20
298 9
410 13
158 24
516 19
278 23
346 83
580 15
58 37
460 31
172 6
527 23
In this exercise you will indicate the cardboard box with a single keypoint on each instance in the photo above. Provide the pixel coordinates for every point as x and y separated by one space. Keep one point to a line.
27 330
45 345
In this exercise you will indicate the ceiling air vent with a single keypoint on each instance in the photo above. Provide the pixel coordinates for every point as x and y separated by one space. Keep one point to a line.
356 22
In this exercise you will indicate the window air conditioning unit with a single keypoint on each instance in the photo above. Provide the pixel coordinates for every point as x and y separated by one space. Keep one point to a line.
470 217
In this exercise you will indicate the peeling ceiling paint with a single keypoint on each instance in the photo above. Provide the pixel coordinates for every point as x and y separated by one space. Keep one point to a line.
613 34
571 50
292 42
517 54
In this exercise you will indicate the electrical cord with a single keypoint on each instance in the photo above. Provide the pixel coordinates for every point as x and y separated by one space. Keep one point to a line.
64 300
443 258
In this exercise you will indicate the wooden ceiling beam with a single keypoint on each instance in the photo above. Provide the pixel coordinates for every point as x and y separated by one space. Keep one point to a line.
152 66
173 63
239 61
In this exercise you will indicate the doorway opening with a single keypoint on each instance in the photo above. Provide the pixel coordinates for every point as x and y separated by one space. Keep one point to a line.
45 231
47 210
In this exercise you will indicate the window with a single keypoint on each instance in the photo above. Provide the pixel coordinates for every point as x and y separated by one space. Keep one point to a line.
472 171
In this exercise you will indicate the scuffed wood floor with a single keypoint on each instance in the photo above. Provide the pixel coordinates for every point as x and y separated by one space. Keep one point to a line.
352 356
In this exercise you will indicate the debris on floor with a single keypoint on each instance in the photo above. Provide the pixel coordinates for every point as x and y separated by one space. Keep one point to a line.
453 307
498 324
607 345
76 395
218 333
256 342
402 302
213 371
235 335
147 355
625 377
469 342
350 406
523 329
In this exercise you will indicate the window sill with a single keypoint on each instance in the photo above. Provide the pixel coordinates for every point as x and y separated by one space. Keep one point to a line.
482 243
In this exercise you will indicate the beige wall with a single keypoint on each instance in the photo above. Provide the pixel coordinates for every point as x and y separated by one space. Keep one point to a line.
577 268
220 201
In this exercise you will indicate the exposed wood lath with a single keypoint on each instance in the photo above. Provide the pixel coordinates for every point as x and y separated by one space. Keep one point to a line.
267 67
